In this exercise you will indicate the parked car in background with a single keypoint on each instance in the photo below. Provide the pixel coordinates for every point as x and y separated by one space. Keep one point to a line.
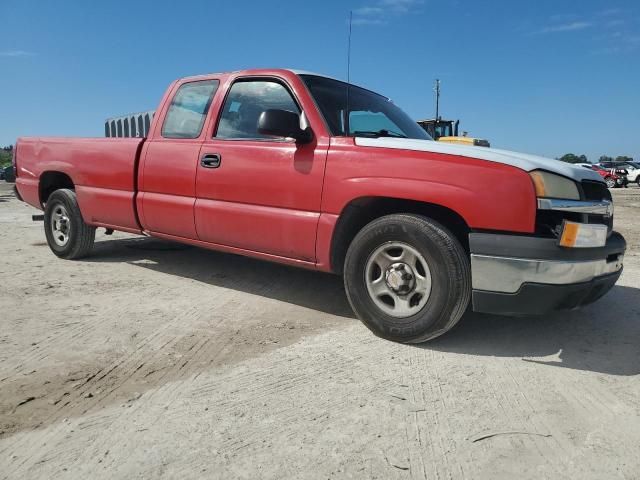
612 179
632 169
8 174
620 175
1 173
312 172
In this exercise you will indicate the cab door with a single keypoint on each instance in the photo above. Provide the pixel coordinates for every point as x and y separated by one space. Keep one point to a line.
170 161
255 192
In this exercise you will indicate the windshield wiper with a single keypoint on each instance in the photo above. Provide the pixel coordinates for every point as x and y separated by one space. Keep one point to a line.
378 134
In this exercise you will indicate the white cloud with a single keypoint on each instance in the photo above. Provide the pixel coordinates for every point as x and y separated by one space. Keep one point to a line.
566 27
378 13
614 29
624 45
614 23
400 6
16 53
563 17
368 11
368 21
610 12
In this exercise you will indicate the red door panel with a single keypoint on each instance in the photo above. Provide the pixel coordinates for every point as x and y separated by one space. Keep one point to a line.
265 196
170 214
278 231
169 185
170 158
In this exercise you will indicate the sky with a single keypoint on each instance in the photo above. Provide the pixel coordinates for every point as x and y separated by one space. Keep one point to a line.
547 77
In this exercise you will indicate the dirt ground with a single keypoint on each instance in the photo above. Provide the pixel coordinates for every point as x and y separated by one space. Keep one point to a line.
157 360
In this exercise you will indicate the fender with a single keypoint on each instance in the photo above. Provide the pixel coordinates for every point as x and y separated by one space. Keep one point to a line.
487 195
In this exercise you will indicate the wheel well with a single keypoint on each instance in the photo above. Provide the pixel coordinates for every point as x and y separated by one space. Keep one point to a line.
364 210
52 181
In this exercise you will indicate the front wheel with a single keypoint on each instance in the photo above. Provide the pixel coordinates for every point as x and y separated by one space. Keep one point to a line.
407 278
67 234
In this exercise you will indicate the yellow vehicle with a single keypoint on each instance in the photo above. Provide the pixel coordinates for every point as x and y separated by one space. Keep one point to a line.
447 131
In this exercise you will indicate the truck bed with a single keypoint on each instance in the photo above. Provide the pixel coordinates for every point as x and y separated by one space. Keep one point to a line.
103 171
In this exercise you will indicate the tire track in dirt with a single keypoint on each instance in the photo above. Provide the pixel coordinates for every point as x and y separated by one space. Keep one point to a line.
538 422
520 417
38 352
249 383
80 329
142 362
118 371
128 370
334 396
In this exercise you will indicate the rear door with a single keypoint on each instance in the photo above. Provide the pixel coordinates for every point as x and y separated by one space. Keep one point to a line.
259 193
170 159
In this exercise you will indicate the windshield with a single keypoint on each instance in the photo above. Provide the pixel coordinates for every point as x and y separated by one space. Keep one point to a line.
370 114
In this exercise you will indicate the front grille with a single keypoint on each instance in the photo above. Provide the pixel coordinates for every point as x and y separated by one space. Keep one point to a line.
595 191
549 222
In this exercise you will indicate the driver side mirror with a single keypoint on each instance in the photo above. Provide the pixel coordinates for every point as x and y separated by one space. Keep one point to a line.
282 123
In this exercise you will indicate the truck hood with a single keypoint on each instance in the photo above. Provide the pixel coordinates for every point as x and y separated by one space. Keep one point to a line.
515 159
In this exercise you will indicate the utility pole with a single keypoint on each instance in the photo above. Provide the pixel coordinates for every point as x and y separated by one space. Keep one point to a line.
436 88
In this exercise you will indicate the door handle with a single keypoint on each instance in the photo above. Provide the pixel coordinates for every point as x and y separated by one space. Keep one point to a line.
211 160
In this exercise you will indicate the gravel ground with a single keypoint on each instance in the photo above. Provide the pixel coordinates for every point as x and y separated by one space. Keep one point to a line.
157 360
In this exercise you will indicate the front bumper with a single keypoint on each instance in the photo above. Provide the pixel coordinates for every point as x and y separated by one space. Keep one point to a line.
525 275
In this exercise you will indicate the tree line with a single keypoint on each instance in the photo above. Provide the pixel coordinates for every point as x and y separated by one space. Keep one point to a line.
573 158
6 154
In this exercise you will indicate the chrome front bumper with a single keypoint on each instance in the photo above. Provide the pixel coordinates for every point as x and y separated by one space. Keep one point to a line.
514 274
507 275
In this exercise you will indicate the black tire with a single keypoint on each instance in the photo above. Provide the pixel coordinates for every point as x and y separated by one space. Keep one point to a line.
80 236
449 269
611 183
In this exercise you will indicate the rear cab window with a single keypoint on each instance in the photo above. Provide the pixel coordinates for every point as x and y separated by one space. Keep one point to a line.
188 109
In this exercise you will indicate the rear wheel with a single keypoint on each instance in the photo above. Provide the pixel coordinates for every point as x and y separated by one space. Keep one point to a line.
67 234
611 183
407 278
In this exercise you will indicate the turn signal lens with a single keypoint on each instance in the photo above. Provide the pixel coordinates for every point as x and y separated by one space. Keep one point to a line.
569 234
538 183
583 235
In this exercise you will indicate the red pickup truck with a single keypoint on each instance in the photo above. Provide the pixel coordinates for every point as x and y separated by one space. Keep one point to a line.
306 170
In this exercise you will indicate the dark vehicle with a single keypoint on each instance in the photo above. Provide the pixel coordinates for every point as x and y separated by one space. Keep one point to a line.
8 175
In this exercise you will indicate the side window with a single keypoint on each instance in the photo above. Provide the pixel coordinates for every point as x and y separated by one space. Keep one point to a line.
188 109
244 104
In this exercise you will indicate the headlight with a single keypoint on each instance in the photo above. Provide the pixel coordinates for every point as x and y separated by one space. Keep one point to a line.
554 186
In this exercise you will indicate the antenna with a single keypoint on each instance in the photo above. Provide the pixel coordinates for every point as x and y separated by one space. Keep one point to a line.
349 48
436 88
346 116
